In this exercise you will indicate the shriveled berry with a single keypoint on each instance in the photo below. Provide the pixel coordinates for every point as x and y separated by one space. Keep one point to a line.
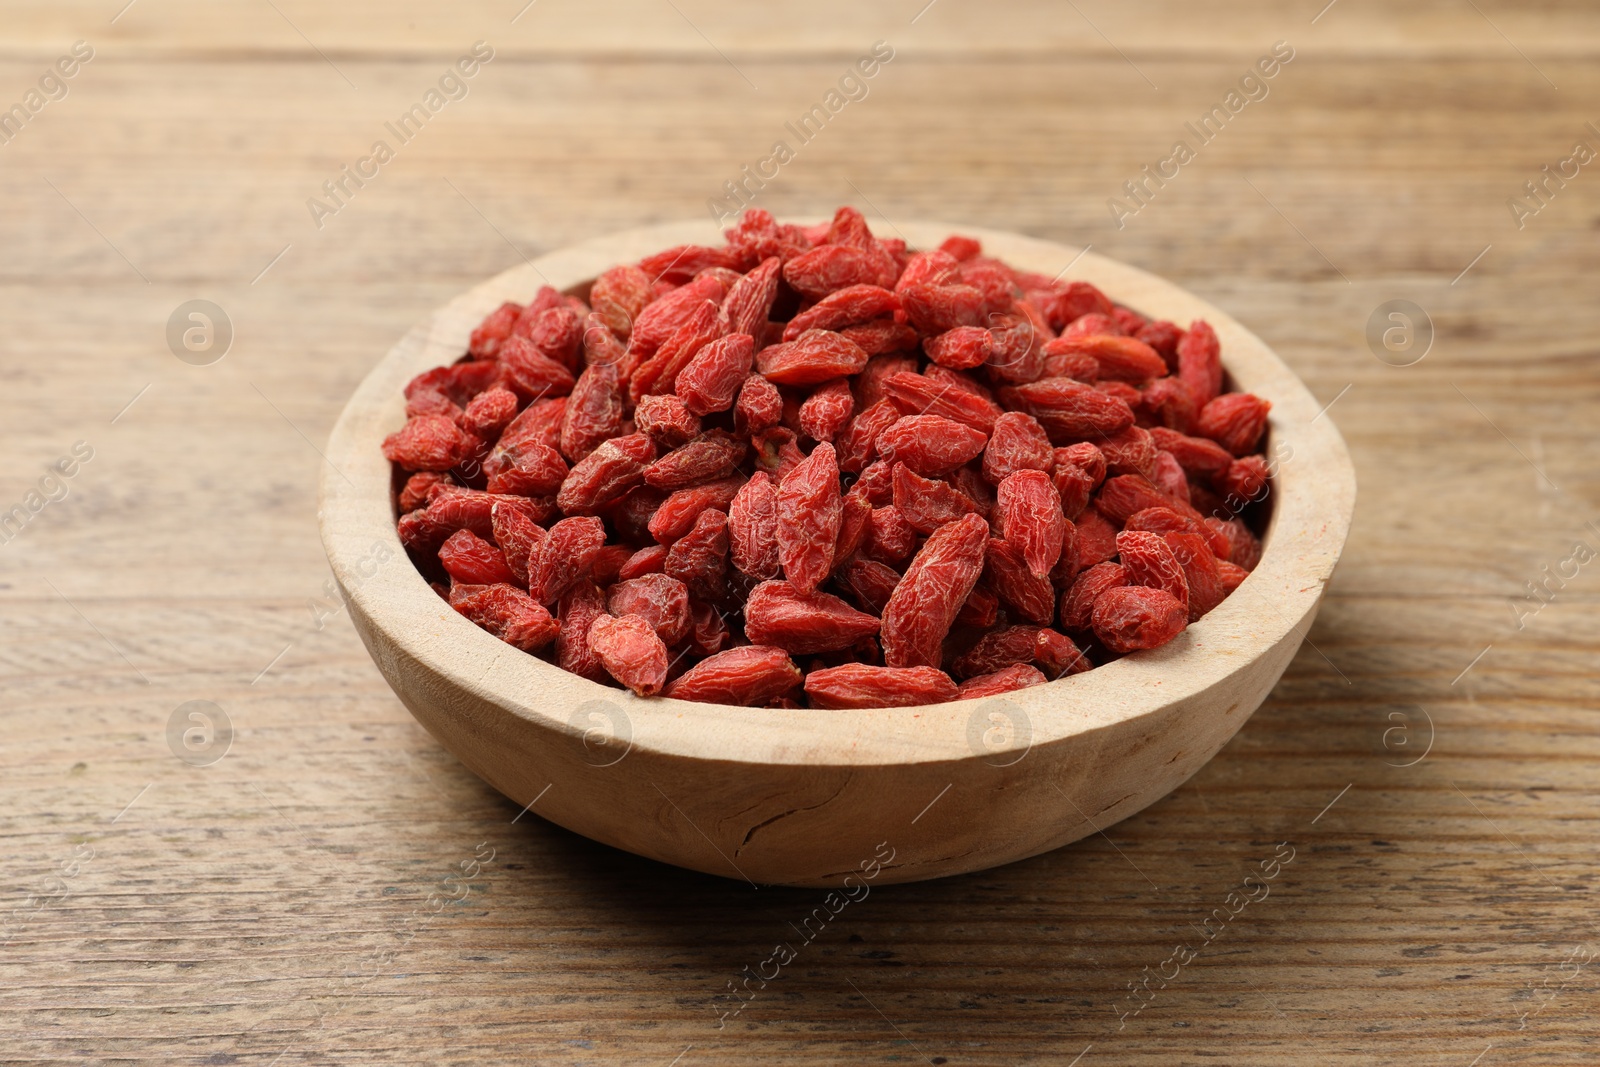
1005 680
1068 409
593 414
651 559
711 380
997 650
508 613
415 492
1200 362
532 374
1130 450
471 560
605 475
699 559
490 412
485 340
759 406
667 420
577 610
915 394
1124 359
631 652
925 602
934 309
825 412
1149 561
1017 443
926 503
427 443
1235 421
748 676
815 356
1028 514
931 445
809 511
1077 603
753 527
676 515
857 685
871 583
1134 617
530 469
710 456
1058 655
565 555
1026 595
661 600
962 348
618 295
804 624
833 267
843 307
749 302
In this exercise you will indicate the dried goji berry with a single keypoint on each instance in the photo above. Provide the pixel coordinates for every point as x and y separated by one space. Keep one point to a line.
749 676
1068 409
1058 655
711 380
931 445
926 503
925 602
427 443
710 456
606 474
857 685
1077 603
997 650
753 527
1234 420
815 356
508 613
577 610
1148 560
471 560
1028 514
1200 362
593 413
1005 680
699 559
631 652
804 624
618 295
809 511
824 413
565 555
661 600
1134 617
1017 443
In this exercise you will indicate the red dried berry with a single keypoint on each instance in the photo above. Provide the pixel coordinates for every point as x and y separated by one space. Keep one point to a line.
631 652
427 443
1006 680
833 267
857 685
605 475
962 348
824 413
1058 655
1148 560
710 456
577 610
1025 594
804 624
1235 421
1017 443
815 356
927 504
1077 603
749 676
925 602
530 469
1068 409
565 555
699 558
931 445
1134 617
934 309
843 307
1196 455
471 560
711 380
1028 514
618 295
1200 362
997 650
593 414
753 527
809 511
675 516
749 302
1124 359
650 559
915 394
661 600
506 612
532 374
490 412
870 582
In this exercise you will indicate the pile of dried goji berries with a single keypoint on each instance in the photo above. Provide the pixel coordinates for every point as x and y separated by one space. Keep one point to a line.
814 467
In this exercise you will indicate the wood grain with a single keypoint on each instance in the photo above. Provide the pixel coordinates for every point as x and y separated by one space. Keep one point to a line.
1424 913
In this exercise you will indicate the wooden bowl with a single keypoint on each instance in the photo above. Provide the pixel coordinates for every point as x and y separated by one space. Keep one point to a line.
810 797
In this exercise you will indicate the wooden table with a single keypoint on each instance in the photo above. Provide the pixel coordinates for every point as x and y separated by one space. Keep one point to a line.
1430 763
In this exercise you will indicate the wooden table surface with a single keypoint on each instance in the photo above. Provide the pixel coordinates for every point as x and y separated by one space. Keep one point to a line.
1428 758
